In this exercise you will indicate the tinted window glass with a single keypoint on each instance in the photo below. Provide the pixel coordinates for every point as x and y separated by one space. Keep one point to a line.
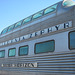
45 47
4 31
27 20
10 28
50 9
68 3
72 40
2 54
39 14
23 50
18 24
12 52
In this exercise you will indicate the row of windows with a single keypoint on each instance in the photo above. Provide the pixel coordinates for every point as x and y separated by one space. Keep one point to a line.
43 47
30 18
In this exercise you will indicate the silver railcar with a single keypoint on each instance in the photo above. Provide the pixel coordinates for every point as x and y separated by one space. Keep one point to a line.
41 44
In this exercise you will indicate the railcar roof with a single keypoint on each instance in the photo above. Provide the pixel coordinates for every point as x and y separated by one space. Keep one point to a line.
39 14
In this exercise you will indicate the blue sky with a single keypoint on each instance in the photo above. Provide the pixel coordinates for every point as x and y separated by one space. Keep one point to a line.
12 11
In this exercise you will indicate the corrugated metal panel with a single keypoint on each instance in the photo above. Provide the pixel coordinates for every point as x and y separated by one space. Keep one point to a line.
50 63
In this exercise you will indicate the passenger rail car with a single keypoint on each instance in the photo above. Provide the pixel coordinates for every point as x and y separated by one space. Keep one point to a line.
41 44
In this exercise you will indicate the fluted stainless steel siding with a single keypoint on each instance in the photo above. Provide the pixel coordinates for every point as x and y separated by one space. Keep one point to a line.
48 63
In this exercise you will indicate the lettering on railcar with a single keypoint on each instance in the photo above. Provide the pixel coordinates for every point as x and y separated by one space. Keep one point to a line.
38 33
26 65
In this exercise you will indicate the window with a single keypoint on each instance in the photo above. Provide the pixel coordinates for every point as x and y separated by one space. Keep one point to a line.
68 3
45 47
4 31
2 54
37 15
50 9
18 24
12 52
23 50
10 28
72 40
27 20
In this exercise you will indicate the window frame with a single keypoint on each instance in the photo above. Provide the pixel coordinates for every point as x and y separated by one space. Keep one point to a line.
4 53
9 28
50 7
24 22
9 50
4 30
44 42
69 40
16 25
23 54
40 12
